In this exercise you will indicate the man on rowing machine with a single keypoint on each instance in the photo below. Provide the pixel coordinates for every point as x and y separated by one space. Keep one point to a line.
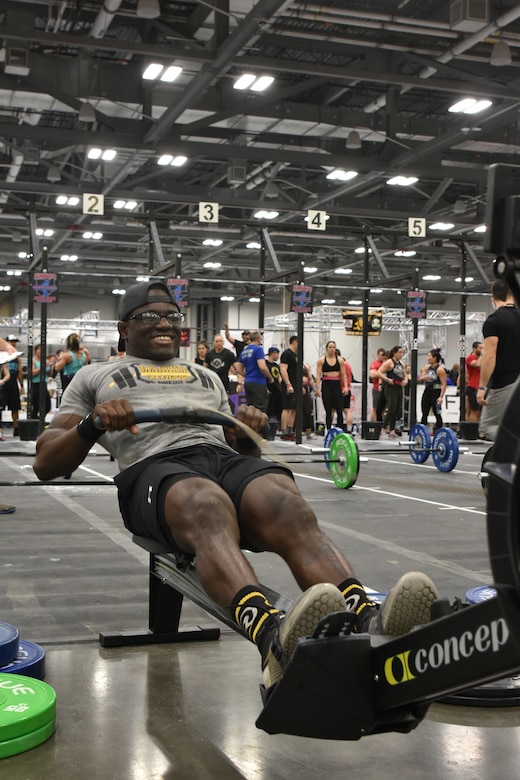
204 490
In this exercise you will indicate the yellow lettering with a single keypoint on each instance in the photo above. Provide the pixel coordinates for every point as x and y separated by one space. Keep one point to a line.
406 674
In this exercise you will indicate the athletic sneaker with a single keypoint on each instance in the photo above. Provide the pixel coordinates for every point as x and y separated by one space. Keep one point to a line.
6 509
312 606
408 604
288 437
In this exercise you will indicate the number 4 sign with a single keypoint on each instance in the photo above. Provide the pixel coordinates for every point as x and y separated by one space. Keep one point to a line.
416 227
93 204
316 220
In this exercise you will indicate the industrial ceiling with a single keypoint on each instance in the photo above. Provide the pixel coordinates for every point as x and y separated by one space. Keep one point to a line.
361 90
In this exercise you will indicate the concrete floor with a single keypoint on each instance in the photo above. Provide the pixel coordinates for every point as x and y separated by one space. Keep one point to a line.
70 570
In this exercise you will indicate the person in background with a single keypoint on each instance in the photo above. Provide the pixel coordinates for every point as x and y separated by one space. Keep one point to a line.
288 370
37 382
307 406
433 377
378 395
347 397
332 384
74 357
202 351
274 407
4 378
473 408
13 388
500 361
254 374
221 360
394 376
238 345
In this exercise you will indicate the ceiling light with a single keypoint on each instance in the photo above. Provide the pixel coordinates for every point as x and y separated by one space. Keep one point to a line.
227 298
212 242
341 175
501 54
94 154
353 140
403 181
108 154
53 174
5 287
171 73
130 205
442 226
22 255
431 278
376 290
360 250
118 291
178 161
47 233
262 214
469 106
343 270
354 302
262 83
212 265
310 269
253 245
69 258
254 300
459 207
328 300
245 81
165 159
14 273
152 71
87 113
480 229
74 201
466 279
95 236
405 253
61 200
119 204
142 278
148 9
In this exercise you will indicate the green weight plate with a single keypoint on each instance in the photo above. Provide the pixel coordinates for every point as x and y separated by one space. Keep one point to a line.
344 456
420 436
11 747
26 705
445 452
329 438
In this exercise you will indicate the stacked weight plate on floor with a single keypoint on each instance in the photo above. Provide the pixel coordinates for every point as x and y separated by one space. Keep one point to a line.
27 705
500 693
329 438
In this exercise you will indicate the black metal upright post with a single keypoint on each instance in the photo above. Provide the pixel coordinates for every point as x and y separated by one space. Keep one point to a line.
412 404
366 303
462 336
261 308
42 411
299 366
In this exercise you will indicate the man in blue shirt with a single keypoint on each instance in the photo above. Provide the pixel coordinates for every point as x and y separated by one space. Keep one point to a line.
255 373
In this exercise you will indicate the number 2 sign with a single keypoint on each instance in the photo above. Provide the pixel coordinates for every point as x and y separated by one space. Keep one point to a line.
93 204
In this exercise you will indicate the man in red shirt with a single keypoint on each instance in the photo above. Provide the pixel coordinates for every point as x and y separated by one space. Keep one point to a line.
378 399
473 408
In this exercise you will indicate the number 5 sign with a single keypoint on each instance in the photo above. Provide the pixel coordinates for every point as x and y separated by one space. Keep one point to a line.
93 204
416 227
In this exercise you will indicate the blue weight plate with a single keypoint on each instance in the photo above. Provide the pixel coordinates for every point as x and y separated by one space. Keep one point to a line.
480 593
445 452
9 641
329 438
29 661
420 436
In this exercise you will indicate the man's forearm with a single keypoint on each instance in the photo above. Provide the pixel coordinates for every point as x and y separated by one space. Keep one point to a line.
59 451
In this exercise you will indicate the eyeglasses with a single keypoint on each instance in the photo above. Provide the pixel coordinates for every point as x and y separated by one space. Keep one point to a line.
154 317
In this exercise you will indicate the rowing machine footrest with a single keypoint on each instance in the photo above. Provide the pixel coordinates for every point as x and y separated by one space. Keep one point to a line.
327 692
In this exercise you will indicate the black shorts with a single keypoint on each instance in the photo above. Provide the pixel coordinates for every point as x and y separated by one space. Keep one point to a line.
11 394
142 488
288 400
472 399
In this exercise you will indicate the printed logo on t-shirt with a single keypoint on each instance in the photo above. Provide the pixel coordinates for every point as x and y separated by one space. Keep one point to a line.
172 375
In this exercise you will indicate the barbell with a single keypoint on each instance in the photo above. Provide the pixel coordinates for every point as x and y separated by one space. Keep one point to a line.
342 455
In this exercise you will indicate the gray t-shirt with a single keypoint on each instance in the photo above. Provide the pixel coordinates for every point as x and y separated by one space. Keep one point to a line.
147 384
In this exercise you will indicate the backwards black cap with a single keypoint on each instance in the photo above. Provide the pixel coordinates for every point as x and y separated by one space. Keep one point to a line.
137 296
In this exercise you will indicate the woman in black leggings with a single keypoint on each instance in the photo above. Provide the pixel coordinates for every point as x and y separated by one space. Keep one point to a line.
433 377
331 384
